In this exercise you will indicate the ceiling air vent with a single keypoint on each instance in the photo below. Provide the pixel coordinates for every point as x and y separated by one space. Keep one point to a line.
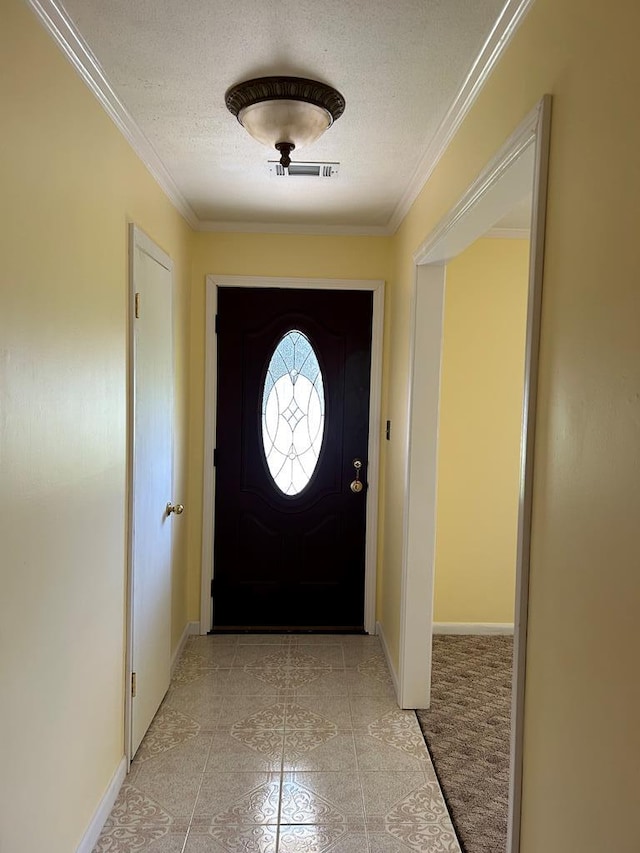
303 170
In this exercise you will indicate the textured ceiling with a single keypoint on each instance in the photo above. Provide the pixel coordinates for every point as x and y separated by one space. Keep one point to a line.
398 64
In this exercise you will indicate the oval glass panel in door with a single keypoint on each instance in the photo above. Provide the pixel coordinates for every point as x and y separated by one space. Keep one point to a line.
293 413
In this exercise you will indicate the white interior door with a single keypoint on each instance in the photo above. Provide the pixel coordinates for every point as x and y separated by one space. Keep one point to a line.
152 455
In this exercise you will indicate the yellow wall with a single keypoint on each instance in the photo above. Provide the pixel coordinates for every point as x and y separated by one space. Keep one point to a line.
581 739
278 255
482 383
69 186
70 183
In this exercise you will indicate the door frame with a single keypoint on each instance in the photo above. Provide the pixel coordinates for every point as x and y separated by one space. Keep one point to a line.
492 192
137 240
210 413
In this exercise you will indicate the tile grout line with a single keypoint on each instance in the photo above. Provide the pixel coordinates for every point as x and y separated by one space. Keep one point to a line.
285 701
204 770
359 773
202 775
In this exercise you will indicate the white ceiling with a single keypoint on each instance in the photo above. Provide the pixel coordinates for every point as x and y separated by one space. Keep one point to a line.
400 66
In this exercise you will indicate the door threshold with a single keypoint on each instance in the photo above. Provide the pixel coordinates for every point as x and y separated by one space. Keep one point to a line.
288 629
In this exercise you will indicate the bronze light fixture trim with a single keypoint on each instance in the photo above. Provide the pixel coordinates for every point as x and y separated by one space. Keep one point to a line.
285 112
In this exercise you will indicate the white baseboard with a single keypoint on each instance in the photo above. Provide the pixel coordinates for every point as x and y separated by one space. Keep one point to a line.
103 811
392 669
189 629
473 627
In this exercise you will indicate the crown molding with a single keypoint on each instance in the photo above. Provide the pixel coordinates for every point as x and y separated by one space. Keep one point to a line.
510 155
509 233
291 228
60 26
511 16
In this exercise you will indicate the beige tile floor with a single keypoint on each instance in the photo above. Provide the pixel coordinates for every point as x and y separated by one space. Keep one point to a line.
281 744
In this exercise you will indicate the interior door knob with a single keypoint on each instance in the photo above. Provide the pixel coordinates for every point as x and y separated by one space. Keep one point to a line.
177 508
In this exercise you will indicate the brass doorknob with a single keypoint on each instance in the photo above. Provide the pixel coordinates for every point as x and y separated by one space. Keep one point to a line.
357 485
177 508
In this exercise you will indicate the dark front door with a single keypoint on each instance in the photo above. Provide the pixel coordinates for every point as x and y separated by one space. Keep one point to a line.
292 428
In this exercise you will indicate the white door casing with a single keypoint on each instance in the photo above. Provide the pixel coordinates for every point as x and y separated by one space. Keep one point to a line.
421 487
520 165
151 483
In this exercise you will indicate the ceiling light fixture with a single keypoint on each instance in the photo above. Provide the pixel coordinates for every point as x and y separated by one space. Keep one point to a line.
285 112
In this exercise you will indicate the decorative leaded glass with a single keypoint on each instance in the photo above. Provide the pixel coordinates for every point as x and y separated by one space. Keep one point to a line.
293 413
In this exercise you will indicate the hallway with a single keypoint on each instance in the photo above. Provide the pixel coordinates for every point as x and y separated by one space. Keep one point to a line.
281 744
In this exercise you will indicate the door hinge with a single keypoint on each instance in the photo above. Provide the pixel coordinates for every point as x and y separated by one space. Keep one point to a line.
134 684
212 582
215 457
137 305
217 327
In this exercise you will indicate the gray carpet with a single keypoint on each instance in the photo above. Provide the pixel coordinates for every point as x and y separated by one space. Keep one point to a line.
467 730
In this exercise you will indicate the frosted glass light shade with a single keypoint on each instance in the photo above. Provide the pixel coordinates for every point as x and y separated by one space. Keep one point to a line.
285 112
297 122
